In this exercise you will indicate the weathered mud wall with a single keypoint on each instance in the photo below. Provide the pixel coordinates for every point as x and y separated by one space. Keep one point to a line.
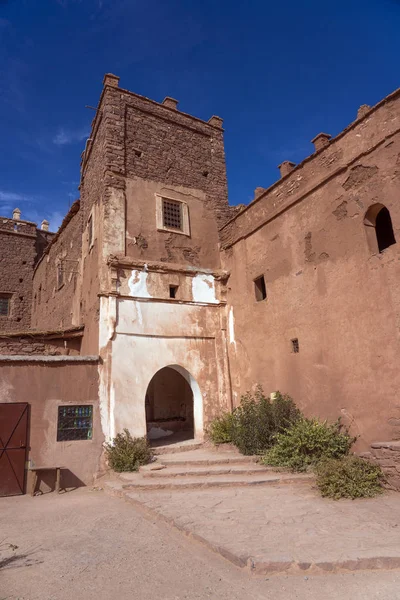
327 285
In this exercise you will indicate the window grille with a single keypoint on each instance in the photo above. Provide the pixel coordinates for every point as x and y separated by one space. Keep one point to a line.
75 423
172 214
4 306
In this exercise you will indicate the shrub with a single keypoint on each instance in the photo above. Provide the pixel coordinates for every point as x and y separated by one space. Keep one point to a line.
306 442
349 477
126 453
258 419
220 429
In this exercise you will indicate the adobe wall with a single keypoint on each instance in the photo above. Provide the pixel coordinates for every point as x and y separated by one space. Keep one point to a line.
45 385
326 286
39 345
142 330
145 241
54 306
17 257
179 157
94 174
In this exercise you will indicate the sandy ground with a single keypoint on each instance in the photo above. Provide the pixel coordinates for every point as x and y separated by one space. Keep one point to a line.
86 545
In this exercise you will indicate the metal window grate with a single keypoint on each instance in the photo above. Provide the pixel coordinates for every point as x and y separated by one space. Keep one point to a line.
4 306
172 214
75 423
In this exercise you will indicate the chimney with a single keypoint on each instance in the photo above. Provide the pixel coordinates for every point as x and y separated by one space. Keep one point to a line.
258 191
170 103
364 108
286 167
110 79
216 121
16 214
321 141
45 225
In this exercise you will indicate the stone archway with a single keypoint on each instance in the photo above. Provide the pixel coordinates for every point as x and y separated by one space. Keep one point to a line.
173 404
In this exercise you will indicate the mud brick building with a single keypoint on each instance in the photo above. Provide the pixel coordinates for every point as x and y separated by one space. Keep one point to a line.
156 304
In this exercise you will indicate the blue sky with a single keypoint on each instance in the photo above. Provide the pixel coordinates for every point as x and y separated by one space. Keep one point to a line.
278 73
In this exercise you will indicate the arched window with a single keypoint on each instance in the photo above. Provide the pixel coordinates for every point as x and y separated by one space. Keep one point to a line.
379 228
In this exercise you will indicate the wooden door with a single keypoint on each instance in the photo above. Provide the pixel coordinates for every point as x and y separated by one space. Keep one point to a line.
13 446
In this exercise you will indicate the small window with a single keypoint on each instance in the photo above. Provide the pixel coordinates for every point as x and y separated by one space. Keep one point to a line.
172 214
260 289
75 423
379 228
295 345
60 275
4 305
172 291
90 231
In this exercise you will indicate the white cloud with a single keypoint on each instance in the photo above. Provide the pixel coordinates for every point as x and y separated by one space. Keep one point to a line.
65 136
12 197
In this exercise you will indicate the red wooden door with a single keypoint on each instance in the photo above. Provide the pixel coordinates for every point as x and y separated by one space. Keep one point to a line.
13 444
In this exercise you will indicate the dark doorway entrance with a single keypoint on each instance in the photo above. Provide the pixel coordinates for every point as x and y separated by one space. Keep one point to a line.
169 407
13 445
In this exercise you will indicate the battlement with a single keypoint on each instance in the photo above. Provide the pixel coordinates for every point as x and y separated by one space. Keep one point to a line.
372 127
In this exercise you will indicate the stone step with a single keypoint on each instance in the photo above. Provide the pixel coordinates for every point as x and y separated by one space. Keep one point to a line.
137 482
185 446
159 471
204 458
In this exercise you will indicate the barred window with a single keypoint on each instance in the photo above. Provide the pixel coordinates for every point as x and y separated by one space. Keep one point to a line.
75 423
172 214
4 305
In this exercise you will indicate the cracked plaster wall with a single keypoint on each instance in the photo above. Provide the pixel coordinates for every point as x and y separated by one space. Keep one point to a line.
325 287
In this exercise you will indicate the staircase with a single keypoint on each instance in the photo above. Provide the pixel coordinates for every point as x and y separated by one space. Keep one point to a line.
199 468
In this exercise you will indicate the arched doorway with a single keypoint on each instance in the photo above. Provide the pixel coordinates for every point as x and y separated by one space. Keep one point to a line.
173 406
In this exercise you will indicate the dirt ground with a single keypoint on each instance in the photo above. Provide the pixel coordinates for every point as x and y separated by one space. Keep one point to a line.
86 545
278 527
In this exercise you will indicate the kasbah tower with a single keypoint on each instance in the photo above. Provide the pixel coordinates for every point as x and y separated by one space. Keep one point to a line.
157 304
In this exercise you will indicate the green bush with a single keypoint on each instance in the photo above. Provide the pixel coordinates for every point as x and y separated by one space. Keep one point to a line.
258 419
126 453
220 429
306 442
349 477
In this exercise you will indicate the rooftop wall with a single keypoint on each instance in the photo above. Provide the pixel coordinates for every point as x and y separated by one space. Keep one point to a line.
373 129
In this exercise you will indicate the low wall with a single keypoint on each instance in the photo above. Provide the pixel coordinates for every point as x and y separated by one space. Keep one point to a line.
45 383
387 455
